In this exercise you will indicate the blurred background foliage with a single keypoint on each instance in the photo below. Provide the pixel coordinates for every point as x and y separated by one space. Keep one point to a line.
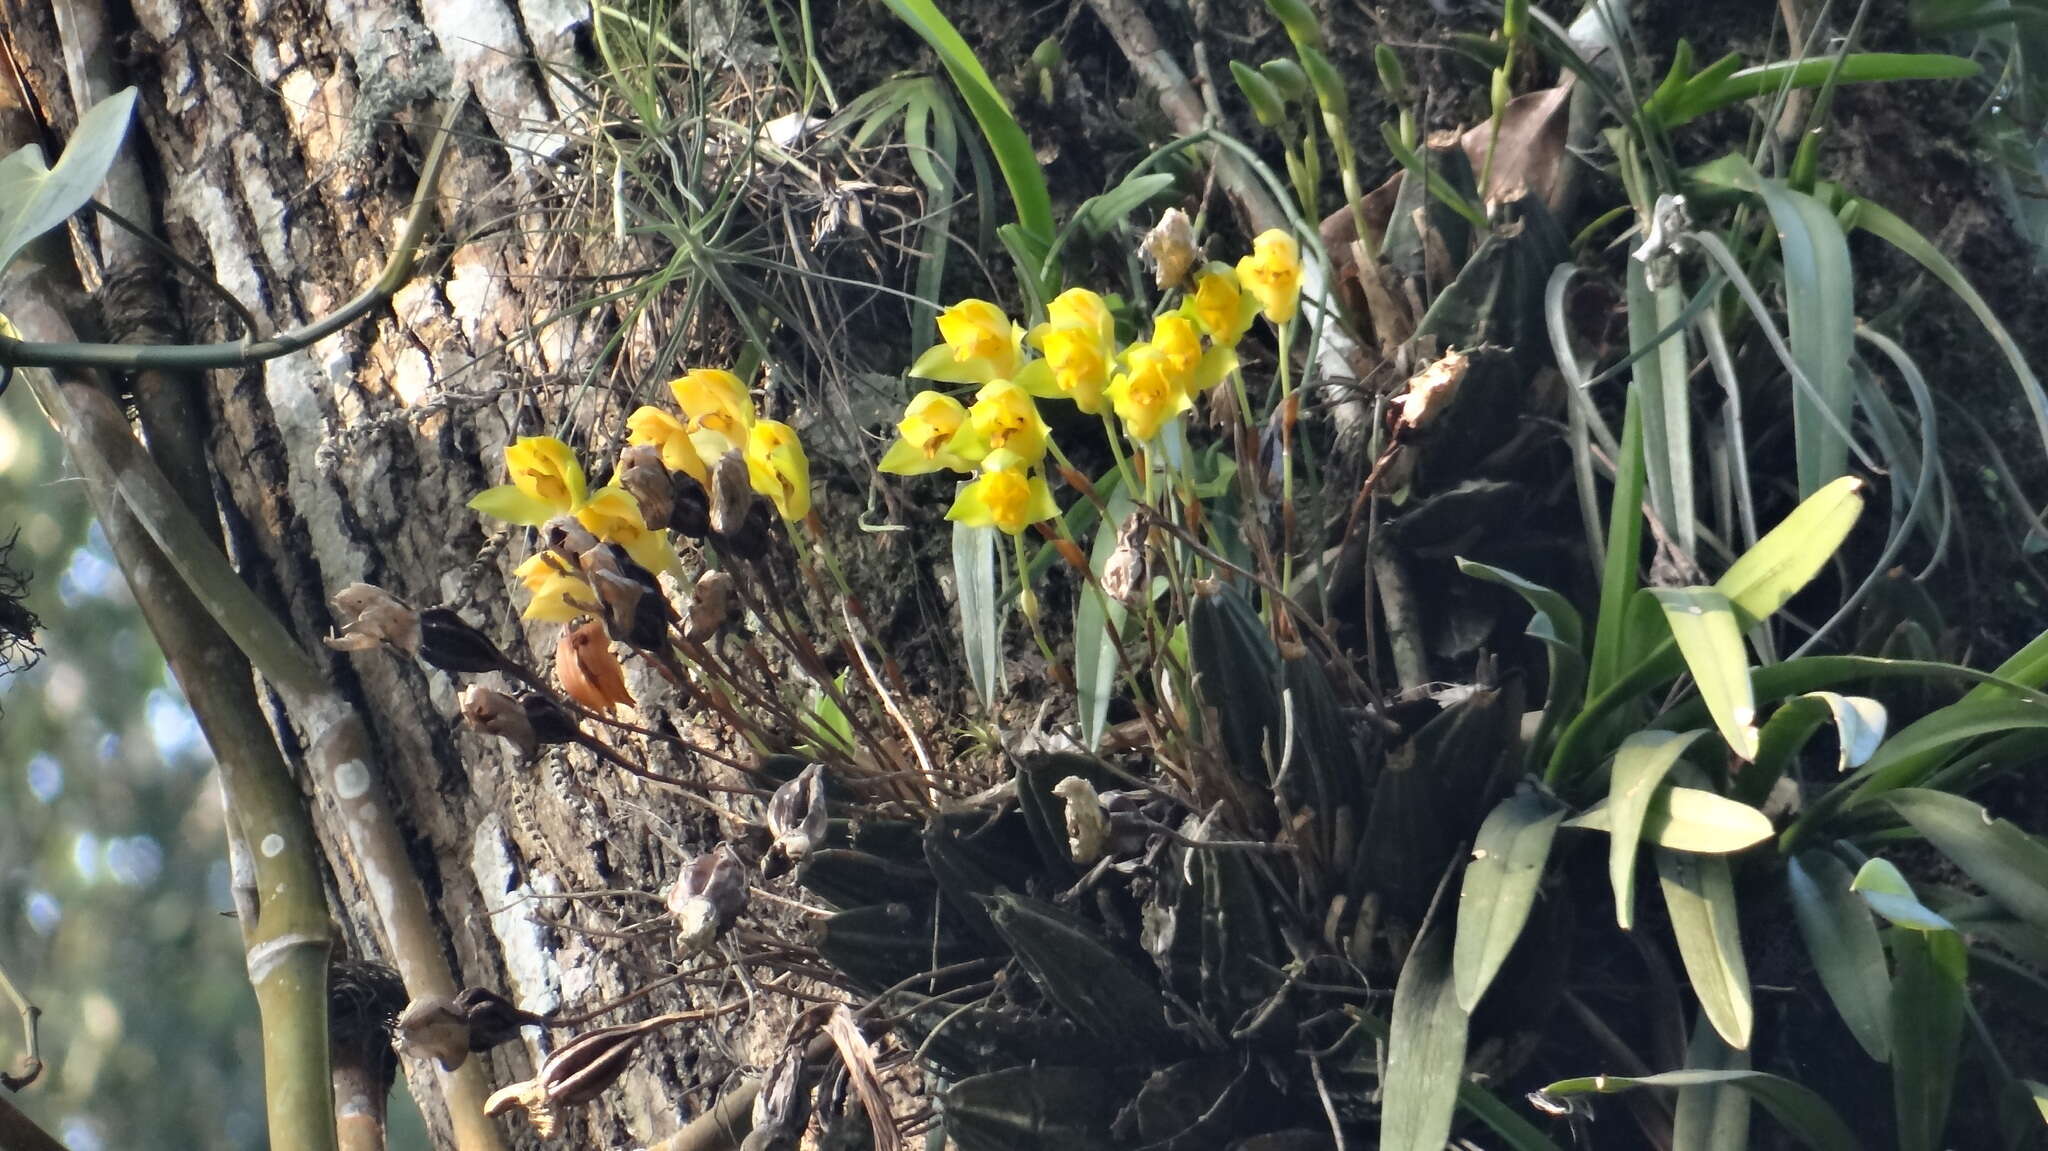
113 871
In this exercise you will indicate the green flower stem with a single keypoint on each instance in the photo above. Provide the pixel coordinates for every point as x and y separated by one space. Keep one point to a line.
1116 448
1286 461
1023 590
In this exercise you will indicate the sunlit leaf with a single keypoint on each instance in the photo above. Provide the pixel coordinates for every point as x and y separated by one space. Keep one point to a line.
1704 625
34 199
1640 765
1806 1115
1500 887
1699 893
2005 861
1928 997
981 626
1711 1116
1881 885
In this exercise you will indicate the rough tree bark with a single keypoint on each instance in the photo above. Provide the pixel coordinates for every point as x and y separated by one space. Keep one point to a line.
278 144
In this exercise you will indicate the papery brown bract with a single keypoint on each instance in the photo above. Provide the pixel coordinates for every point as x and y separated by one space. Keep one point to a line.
495 713
588 671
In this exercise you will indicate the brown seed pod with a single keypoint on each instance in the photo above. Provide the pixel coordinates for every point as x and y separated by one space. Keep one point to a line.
796 818
709 894
495 713
451 643
732 494
644 477
588 671
710 605
578 1071
371 617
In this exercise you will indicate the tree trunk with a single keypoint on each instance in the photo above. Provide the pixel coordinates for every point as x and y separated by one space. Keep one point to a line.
277 146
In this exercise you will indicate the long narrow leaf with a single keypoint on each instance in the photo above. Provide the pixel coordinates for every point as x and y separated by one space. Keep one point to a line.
1556 623
1901 235
1766 576
1906 758
1711 89
1928 996
1624 551
1842 939
2005 861
1699 893
981 629
1425 1050
1806 1115
1667 403
1885 889
1500 886
1639 768
1820 292
1690 819
1097 621
1703 623
1711 1116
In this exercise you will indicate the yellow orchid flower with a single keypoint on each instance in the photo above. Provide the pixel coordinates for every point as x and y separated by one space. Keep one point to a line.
546 482
1008 494
1180 342
778 468
1152 388
651 425
1272 273
613 515
1003 418
981 344
1079 343
718 410
1224 310
931 437
555 595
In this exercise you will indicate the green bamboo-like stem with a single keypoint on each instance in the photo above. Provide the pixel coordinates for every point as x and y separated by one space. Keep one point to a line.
338 748
287 945
398 269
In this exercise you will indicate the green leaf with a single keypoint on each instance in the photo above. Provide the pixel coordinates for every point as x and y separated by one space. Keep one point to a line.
1097 622
2039 1091
1425 1050
1639 767
2027 667
1100 214
1080 974
1928 998
1690 819
1033 1108
1859 724
1842 940
1907 758
1711 1116
1806 1115
981 620
1714 89
35 199
1788 556
1880 222
2005 861
1704 625
1886 891
1661 374
1006 138
1820 293
1700 896
1556 623
1500 887
1624 551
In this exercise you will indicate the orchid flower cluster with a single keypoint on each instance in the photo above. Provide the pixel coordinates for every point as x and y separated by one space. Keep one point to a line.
1000 438
668 469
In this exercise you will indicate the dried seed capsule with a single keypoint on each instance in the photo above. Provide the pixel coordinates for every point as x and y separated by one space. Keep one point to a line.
690 514
495 713
732 494
709 894
710 605
1087 826
435 1026
1123 574
588 671
568 538
1170 248
576 1073
551 724
642 474
796 818
453 644
371 617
